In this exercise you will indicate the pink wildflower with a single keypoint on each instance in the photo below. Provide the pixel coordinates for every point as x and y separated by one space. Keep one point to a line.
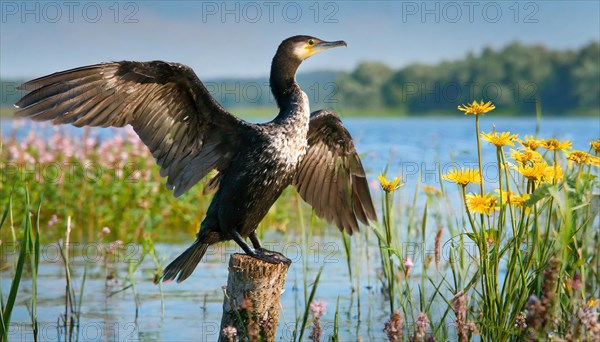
317 310
393 327
52 222
230 333
408 265
422 325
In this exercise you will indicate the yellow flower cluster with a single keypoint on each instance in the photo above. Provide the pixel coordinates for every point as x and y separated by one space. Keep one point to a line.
541 172
534 172
554 144
481 204
512 198
477 108
531 164
553 174
463 176
499 139
582 157
526 156
531 143
389 186
595 145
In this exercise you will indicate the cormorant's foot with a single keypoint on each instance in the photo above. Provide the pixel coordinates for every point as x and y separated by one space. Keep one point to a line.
271 256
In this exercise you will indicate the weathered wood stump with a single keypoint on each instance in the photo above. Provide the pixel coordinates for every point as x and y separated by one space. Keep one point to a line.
251 303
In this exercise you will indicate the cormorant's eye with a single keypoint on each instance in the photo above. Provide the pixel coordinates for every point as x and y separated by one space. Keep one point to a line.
311 42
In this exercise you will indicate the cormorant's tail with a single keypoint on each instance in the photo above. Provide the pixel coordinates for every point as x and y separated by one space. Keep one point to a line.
182 267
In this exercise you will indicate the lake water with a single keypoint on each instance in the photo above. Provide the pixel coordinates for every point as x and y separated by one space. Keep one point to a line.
192 310
417 148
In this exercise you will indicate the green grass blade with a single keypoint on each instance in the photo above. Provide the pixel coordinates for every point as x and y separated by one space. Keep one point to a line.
336 323
35 262
14 288
6 210
310 299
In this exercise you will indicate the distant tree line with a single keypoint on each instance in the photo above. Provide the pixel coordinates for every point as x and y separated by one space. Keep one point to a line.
514 78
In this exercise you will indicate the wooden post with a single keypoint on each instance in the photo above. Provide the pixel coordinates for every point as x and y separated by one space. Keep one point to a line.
252 295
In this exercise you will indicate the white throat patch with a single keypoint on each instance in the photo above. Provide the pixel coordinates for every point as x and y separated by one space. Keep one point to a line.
302 52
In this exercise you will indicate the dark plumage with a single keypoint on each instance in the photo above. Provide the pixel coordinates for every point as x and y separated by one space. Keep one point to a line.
190 134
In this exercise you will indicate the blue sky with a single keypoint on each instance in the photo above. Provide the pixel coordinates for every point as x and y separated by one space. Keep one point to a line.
238 39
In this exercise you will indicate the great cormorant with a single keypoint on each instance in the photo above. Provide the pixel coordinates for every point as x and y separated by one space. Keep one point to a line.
190 134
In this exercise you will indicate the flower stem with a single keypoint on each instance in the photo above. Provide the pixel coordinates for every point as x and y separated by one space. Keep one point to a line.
388 235
479 152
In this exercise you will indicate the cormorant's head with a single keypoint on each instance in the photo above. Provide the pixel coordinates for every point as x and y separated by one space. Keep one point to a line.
289 56
302 47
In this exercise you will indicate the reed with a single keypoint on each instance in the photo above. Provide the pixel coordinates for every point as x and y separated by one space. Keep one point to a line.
27 249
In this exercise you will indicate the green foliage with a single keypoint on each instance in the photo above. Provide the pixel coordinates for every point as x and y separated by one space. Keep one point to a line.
307 306
524 266
30 247
96 190
362 87
524 271
514 78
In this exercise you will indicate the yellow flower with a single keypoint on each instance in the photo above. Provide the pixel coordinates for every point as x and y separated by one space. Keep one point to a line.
535 172
389 186
463 176
554 144
553 174
517 200
431 190
595 145
582 157
592 302
477 108
511 198
481 204
499 139
531 143
526 156
578 157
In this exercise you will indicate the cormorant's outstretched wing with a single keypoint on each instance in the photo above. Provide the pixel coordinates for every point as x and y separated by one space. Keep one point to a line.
186 130
331 177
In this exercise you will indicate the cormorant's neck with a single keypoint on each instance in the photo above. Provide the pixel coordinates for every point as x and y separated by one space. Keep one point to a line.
283 78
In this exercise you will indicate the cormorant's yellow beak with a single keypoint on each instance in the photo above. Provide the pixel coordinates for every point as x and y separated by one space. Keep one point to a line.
313 46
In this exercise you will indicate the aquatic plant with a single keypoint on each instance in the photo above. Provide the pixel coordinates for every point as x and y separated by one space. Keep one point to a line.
516 262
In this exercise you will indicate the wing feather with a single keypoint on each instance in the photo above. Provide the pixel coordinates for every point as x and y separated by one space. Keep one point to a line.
165 103
331 177
307 169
